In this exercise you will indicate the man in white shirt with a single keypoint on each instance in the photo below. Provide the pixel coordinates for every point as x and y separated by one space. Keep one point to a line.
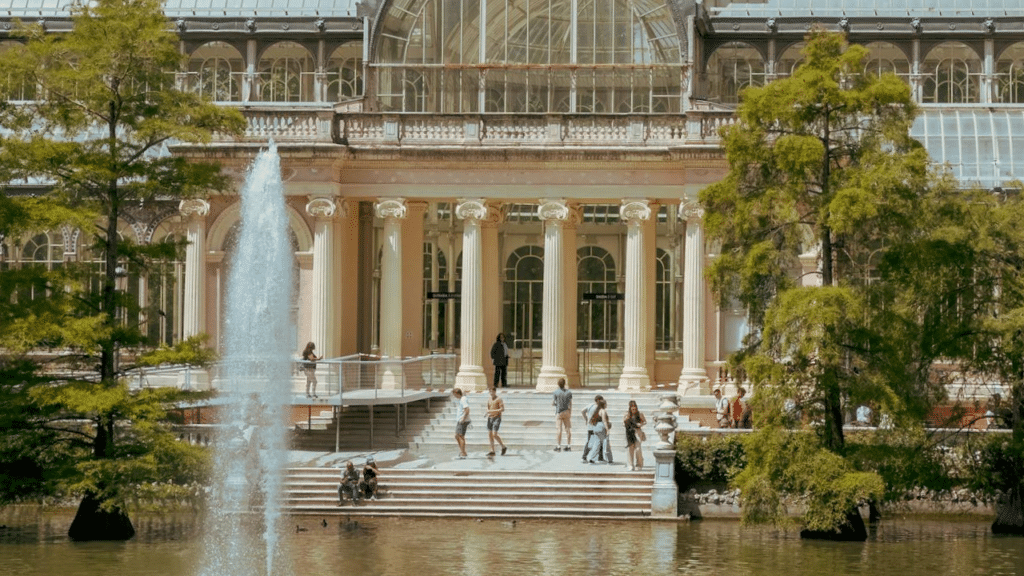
462 423
721 409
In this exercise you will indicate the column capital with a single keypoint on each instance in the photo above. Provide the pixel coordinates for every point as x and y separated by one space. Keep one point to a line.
326 207
194 208
635 211
390 208
559 211
471 209
554 209
691 211
478 209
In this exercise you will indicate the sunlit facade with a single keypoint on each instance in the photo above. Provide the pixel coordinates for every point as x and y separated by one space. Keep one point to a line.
455 169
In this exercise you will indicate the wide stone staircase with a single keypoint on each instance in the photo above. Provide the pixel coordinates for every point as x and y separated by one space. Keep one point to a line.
529 420
537 483
478 494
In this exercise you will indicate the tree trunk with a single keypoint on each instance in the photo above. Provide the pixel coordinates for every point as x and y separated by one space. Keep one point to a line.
1010 515
92 523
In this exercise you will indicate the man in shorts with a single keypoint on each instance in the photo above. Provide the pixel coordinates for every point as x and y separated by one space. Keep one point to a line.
462 423
588 413
562 401
495 407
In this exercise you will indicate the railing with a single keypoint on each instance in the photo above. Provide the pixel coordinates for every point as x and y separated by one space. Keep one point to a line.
179 376
382 376
696 127
285 124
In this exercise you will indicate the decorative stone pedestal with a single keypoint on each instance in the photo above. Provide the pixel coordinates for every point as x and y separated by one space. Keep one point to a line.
665 496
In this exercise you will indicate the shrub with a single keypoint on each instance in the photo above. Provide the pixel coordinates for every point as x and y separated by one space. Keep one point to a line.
714 459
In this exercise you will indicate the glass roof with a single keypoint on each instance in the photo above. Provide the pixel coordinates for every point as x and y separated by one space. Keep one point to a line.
198 8
982 147
866 8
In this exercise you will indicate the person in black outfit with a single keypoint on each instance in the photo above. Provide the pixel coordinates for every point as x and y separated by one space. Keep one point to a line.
368 485
499 355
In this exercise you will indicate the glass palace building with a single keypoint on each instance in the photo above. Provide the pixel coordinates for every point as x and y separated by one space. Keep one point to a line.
458 168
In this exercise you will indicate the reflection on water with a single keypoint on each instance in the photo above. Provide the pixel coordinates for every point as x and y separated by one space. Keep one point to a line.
33 544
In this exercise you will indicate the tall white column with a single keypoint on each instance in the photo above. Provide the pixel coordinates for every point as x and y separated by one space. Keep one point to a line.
554 213
392 211
471 374
322 310
194 308
635 214
694 374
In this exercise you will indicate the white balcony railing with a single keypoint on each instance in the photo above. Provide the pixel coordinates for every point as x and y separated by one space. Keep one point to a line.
699 127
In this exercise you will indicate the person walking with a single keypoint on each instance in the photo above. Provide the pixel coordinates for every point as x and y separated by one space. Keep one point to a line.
562 401
309 367
499 356
721 409
634 421
495 407
588 413
599 441
740 410
462 422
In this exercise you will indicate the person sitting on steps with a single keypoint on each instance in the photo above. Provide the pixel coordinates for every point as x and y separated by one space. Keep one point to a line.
368 485
349 484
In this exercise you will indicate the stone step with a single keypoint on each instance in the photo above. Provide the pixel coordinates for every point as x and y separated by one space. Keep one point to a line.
498 493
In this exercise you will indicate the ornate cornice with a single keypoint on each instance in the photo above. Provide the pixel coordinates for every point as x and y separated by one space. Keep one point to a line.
635 211
194 208
390 208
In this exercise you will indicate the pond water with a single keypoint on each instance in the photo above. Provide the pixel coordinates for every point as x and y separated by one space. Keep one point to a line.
34 544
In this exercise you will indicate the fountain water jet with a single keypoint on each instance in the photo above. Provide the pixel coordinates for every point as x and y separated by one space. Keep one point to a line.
243 524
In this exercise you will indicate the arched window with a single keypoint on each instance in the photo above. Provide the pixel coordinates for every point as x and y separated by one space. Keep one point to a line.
524 296
951 74
345 73
664 303
285 74
731 68
215 70
435 311
127 274
597 319
1009 86
45 251
885 57
611 56
790 58
164 293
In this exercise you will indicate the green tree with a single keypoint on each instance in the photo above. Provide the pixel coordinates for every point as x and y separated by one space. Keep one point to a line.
992 291
98 138
821 163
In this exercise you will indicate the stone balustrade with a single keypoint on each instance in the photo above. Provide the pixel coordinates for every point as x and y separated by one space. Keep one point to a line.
360 129
285 124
